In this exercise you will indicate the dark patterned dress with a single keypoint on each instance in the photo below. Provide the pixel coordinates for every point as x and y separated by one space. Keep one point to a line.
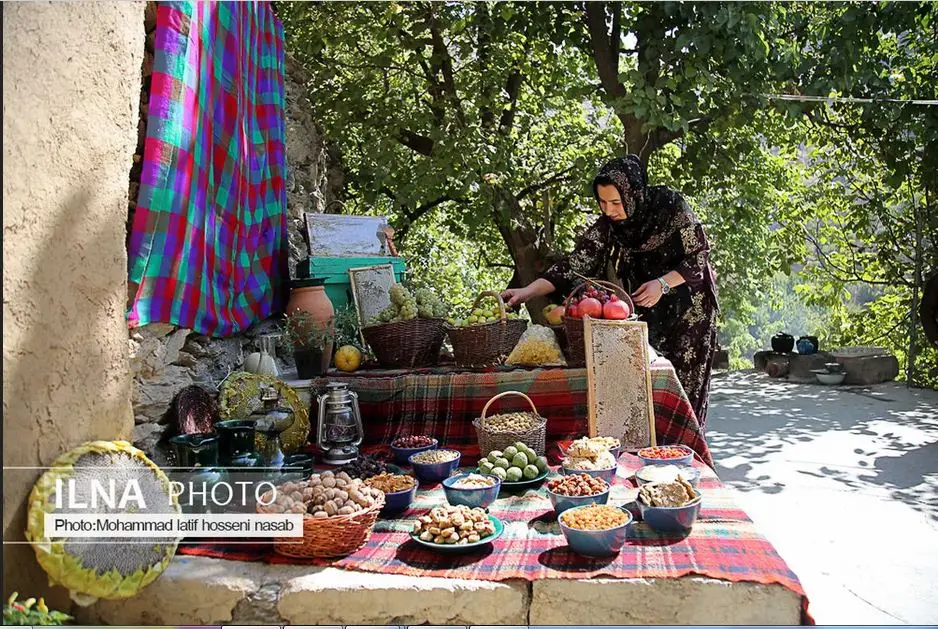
682 325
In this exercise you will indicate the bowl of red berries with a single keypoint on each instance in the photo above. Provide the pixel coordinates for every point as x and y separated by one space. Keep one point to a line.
666 455
404 447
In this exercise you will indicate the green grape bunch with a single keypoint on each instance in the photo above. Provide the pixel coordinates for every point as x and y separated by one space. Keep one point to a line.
406 305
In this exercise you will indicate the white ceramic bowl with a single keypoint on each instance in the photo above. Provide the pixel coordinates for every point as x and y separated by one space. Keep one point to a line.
831 378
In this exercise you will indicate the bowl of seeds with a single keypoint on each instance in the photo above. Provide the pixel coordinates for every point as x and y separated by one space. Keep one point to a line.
432 466
595 530
399 491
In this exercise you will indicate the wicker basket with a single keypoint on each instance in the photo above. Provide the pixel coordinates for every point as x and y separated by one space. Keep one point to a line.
536 438
406 344
338 536
486 344
576 341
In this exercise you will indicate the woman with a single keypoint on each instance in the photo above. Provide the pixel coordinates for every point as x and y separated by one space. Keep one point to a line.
649 239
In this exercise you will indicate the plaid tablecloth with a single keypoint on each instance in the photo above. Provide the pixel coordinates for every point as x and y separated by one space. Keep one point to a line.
442 402
724 544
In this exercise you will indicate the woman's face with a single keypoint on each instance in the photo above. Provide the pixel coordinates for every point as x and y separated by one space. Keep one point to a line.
613 205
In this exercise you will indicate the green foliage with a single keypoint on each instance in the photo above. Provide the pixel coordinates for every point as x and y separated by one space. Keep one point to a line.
347 327
303 332
31 612
476 127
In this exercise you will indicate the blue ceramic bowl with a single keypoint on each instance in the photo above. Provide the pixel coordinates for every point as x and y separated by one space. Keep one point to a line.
434 472
616 452
473 497
606 475
691 474
670 519
684 460
564 503
401 455
605 543
398 501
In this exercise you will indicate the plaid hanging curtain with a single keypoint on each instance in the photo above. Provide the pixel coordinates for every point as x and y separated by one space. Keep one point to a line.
208 246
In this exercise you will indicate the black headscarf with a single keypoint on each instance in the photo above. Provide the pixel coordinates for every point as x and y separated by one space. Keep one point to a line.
657 211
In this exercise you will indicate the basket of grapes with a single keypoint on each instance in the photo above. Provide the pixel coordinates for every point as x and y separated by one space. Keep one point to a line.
410 331
487 335
595 299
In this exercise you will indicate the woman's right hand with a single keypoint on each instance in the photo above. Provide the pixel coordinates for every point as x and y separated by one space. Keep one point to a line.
517 296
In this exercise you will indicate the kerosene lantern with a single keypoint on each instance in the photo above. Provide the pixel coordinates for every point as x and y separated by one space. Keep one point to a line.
339 429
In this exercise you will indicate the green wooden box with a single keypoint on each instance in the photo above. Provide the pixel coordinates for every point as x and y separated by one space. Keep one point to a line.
334 270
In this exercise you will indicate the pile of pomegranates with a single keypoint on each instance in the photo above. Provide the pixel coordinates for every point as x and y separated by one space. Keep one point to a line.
597 303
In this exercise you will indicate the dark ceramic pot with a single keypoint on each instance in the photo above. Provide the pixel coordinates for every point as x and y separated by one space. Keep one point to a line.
310 363
810 345
783 343
198 471
237 443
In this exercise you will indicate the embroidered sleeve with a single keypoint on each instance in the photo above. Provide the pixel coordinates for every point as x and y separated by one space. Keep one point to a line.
694 266
587 258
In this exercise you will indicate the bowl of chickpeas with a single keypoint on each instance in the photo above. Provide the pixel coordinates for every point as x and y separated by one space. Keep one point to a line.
576 490
595 530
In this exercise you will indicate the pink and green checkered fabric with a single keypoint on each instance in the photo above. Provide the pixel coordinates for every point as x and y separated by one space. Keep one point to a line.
208 246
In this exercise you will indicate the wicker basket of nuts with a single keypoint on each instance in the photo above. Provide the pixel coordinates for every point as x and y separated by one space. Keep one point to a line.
339 514
497 432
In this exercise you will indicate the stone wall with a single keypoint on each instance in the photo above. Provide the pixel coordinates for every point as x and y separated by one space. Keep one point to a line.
71 78
165 359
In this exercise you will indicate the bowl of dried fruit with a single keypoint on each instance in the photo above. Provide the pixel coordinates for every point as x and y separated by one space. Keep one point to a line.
576 490
404 447
595 530
472 490
666 455
669 507
432 466
399 491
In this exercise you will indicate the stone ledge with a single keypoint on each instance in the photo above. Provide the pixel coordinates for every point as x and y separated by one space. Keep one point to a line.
684 601
200 590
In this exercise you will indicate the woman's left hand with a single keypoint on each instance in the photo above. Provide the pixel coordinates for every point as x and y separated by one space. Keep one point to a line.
648 294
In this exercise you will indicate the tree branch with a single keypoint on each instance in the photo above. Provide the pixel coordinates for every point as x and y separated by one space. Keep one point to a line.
513 87
543 184
606 66
444 61
614 41
416 142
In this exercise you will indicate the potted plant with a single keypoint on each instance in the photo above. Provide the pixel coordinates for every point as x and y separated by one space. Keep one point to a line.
30 612
312 343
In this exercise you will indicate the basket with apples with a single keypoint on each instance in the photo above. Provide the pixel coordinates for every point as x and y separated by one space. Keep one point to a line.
595 299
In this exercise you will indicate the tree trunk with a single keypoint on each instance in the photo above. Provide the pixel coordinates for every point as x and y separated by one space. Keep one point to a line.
530 254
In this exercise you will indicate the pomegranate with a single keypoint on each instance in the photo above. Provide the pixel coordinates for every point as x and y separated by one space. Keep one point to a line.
590 307
616 310
573 312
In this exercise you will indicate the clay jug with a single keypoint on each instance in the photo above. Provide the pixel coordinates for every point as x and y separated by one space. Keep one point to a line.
309 295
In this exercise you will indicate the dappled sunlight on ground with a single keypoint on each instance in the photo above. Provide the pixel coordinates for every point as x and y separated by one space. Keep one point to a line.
844 481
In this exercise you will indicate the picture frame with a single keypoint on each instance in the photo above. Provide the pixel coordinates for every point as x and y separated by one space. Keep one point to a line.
620 398
370 286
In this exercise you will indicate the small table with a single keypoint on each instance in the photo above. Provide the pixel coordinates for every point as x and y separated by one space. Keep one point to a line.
443 401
